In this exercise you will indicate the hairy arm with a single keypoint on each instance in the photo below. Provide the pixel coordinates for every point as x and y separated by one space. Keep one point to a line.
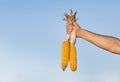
108 43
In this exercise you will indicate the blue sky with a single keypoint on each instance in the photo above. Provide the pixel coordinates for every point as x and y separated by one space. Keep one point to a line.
31 33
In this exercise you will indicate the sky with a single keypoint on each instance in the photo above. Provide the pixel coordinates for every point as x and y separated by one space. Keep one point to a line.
31 33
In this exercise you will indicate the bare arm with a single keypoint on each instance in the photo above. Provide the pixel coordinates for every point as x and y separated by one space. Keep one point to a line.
108 43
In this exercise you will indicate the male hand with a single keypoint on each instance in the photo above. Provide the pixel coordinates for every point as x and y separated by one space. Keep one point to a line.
71 26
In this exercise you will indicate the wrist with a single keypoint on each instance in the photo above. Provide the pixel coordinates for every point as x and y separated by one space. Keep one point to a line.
80 33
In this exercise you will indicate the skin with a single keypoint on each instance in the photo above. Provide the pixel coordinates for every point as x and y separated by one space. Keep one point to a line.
109 43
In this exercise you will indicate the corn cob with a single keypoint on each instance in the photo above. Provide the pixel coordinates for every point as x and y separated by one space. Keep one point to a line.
68 48
73 58
65 54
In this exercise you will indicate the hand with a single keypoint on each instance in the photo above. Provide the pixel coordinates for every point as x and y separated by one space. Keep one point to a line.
75 26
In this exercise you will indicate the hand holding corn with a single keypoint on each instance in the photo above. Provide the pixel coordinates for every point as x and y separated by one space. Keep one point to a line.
68 47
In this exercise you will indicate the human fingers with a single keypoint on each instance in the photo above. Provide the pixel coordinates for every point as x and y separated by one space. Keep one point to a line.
69 28
77 29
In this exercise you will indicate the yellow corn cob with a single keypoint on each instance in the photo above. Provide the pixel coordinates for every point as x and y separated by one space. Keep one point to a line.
68 48
73 58
65 54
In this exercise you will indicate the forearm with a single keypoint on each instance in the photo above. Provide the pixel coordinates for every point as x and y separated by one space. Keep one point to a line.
108 43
